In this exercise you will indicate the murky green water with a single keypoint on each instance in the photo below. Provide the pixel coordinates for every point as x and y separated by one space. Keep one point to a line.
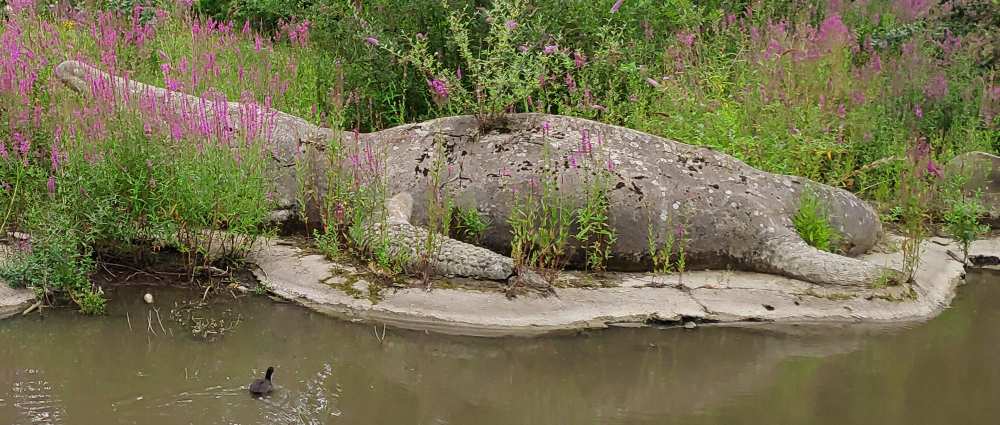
71 369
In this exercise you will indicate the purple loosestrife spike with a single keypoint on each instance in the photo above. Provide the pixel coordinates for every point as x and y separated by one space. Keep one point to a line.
459 73
611 165
551 49
372 40
680 230
842 112
652 82
614 8
512 24
522 49
919 112
52 186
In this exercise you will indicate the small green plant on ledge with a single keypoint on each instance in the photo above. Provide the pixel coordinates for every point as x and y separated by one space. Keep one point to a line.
812 224
962 223
470 224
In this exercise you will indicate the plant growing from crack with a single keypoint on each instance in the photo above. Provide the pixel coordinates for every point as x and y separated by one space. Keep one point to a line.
670 255
540 221
469 224
439 211
962 223
916 195
812 224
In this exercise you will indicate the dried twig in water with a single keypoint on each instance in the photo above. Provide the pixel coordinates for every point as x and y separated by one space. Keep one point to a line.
129 321
381 339
149 323
130 268
160 321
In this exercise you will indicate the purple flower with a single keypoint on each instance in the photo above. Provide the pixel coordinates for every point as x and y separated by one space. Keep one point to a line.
680 230
550 49
420 36
459 73
163 55
372 40
610 165
935 169
842 112
522 49
512 24
616 6
631 98
52 186
919 112
439 87
652 82
792 130
937 88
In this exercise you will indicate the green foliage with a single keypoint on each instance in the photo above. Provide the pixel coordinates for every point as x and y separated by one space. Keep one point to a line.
812 223
669 256
491 78
469 223
540 220
962 223
54 260
916 196
594 230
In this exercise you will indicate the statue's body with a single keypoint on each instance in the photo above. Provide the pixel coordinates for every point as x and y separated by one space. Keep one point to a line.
734 215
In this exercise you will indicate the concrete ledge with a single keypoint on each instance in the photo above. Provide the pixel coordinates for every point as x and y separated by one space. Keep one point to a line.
719 297
14 301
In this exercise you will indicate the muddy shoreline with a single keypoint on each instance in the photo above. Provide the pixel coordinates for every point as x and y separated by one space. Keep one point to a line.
719 298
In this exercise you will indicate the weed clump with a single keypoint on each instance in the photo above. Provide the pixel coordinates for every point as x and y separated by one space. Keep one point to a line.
813 225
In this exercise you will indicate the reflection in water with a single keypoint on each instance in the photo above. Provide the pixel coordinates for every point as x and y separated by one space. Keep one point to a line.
68 368
32 398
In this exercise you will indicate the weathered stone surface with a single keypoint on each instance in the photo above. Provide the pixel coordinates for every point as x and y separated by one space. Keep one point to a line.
13 301
734 214
452 258
731 298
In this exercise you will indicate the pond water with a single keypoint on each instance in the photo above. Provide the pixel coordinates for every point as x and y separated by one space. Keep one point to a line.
73 369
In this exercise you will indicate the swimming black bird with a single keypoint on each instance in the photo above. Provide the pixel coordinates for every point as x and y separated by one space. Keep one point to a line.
263 386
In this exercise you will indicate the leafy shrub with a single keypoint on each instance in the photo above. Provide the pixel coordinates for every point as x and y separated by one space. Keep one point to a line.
812 224
962 223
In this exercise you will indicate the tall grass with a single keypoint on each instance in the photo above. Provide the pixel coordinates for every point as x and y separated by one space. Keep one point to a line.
112 177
